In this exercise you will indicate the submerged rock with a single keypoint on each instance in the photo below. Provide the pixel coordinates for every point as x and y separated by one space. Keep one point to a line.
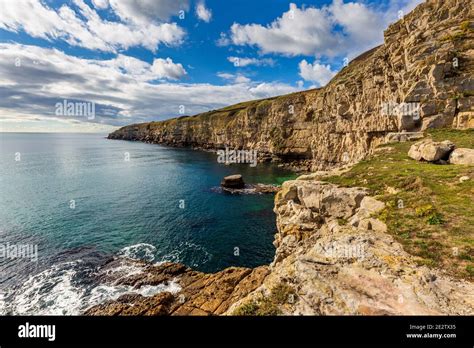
250 189
233 182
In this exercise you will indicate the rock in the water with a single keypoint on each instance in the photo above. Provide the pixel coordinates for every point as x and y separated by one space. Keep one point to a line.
462 156
431 151
233 181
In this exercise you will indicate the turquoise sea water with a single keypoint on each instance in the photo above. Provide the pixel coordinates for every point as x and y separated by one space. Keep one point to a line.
80 201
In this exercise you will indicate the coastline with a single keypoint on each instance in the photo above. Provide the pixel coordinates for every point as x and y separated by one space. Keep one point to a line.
332 257
334 252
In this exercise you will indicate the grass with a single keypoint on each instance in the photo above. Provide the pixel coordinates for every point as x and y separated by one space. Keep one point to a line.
281 295
428 210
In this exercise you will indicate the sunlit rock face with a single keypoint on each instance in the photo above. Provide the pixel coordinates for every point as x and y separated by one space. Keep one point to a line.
421 77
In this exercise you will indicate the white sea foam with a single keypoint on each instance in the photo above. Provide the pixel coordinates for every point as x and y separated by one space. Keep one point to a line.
2 302
55 291
49 292
201 254
140 251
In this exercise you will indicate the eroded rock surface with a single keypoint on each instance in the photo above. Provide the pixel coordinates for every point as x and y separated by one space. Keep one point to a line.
336 266
199 293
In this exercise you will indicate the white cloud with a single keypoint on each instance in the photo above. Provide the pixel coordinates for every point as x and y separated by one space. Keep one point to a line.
145 12
124 89
143 71
319 73
265 89
296 32
165 68
243 61
203 13
359 22
88 30
223 40
100 4
336 29
226 76
237 78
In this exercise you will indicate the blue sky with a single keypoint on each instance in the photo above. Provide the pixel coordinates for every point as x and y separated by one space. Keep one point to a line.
143 60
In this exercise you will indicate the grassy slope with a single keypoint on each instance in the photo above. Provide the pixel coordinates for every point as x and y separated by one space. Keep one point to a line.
432 215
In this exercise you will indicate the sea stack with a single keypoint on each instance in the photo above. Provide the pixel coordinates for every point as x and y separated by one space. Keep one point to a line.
233 182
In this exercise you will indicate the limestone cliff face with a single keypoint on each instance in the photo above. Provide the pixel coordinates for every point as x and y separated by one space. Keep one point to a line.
427 58
334 258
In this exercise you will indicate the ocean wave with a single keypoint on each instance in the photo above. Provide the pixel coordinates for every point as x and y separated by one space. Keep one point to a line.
140 251
187 252
62 289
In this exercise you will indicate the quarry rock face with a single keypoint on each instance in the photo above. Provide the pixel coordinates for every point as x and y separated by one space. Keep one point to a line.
419 78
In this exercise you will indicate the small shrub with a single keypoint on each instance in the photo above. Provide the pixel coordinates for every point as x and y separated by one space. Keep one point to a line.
250 308
267 306
424 210
281 293
435 219
464 26
342 221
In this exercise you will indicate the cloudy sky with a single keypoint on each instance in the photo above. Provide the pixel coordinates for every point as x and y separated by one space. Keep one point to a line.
143 60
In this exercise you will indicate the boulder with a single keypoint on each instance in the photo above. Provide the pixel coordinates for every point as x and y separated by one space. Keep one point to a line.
369 206
233 181
330 200
463 178
431 151
462 156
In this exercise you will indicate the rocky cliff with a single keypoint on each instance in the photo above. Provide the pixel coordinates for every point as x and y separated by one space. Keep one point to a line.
332 257
333 253
426 61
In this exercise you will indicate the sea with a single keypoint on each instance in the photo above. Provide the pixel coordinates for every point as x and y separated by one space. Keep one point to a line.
71 202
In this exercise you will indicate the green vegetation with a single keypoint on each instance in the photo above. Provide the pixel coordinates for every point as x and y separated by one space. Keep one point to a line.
428 210
464 27
342 221
454 37
281 295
